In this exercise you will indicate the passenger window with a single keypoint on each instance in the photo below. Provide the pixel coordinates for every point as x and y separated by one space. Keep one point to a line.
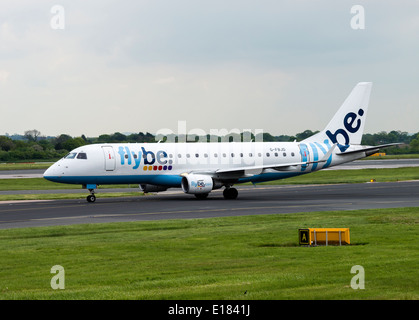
82 155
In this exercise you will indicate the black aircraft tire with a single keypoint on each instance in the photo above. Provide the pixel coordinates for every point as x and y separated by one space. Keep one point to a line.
201 196
230 193
91 198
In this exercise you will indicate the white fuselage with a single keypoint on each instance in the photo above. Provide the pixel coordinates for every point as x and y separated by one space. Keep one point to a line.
164 163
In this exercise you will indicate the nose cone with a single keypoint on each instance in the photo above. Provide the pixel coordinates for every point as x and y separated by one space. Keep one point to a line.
52 173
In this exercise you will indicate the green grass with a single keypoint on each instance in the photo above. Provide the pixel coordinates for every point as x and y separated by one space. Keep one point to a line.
43 184
25 166
393 156
63 196
218 258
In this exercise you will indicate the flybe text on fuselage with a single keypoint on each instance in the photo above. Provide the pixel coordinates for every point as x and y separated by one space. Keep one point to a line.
147 158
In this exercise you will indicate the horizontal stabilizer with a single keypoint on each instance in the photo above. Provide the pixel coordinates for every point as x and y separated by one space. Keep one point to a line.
369 149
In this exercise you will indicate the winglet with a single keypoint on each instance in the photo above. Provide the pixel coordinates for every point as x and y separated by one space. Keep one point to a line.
329 153
326 156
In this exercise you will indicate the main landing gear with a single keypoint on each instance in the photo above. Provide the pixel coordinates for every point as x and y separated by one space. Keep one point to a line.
230 193
201 196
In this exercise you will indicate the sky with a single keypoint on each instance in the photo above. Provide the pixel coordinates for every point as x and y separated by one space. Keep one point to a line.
99 67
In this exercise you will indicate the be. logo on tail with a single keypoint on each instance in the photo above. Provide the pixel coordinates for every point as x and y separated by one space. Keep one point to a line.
351 124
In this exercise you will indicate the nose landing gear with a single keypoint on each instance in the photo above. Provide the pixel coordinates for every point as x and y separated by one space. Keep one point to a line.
91 198
91 187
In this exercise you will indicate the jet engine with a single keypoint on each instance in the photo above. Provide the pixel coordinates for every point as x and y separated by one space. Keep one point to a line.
197 184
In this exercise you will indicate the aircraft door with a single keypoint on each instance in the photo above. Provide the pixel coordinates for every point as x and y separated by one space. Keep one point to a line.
305 155
109 158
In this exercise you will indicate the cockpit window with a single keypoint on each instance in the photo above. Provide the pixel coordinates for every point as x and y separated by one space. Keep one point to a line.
71 155
82 155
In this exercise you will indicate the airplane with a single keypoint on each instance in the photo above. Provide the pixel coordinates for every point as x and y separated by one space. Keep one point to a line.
199 168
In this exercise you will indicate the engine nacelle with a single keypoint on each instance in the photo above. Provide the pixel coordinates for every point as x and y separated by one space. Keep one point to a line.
151 188
197 184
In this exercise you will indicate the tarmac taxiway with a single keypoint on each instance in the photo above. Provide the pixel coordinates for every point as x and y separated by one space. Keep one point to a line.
262 199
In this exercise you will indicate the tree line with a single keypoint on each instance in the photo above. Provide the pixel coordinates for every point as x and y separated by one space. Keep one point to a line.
33 146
